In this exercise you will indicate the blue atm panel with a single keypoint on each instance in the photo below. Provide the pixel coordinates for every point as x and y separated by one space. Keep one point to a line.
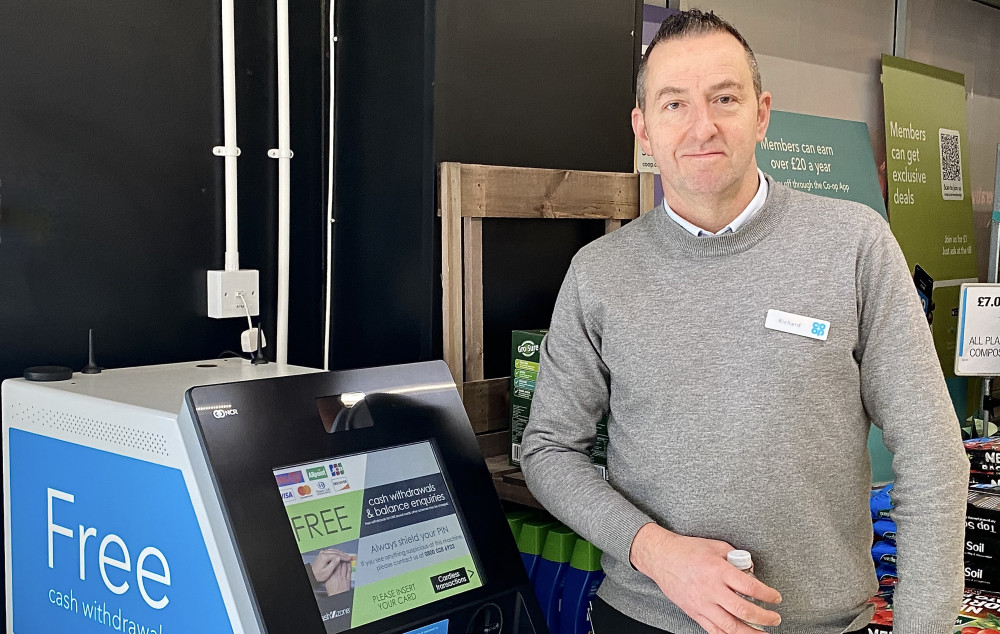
104 543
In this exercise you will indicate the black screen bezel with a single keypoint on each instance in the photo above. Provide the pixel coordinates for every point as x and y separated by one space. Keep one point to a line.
278 423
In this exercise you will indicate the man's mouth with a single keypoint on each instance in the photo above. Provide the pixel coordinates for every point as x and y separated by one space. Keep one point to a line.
705 154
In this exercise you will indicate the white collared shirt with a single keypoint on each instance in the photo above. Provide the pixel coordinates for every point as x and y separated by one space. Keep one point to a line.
755 204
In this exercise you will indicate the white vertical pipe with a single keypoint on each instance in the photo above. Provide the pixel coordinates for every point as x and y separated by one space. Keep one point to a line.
229 123
329 193
284 183
899 37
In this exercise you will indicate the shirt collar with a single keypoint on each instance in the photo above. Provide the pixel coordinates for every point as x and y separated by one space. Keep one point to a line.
755 204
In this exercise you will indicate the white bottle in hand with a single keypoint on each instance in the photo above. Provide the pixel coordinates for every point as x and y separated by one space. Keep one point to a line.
743 561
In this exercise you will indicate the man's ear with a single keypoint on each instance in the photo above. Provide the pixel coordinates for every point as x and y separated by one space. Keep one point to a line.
639 128
763 114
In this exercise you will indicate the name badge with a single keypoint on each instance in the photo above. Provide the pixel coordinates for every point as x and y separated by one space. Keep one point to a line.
797 325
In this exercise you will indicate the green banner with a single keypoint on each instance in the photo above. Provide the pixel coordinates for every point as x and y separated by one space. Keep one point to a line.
829 157
927 165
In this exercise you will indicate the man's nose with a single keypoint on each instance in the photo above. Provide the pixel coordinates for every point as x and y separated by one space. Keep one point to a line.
703 124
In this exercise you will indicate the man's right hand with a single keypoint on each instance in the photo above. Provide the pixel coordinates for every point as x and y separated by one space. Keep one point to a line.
693 573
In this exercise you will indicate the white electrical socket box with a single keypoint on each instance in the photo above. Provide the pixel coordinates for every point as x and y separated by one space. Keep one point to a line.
233 293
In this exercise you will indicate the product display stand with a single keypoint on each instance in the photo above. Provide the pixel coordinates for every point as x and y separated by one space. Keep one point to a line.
468 194
988 402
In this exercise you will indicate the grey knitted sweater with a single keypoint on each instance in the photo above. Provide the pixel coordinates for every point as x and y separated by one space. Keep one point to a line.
722 428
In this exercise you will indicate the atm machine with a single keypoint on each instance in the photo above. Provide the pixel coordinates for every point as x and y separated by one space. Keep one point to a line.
279 500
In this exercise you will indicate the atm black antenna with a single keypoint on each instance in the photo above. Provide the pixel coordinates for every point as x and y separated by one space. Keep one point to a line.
91 367
259 359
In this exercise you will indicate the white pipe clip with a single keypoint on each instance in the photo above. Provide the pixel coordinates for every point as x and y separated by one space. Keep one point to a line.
222 150
275 153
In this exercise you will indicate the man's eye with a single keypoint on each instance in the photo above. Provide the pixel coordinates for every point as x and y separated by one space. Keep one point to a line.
672 105
725 100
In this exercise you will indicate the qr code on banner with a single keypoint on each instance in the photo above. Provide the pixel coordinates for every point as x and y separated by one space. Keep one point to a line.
951 164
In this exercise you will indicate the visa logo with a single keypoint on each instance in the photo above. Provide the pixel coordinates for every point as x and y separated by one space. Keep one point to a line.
287 495
104 559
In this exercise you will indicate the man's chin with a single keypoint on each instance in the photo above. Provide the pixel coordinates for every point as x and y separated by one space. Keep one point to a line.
708 185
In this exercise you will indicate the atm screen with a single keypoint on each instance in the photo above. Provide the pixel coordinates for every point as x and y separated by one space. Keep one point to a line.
379 533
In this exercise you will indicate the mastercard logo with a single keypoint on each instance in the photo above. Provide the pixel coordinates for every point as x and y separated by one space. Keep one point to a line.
305 489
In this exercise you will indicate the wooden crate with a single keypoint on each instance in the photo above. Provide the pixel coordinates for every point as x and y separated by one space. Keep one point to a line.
468 194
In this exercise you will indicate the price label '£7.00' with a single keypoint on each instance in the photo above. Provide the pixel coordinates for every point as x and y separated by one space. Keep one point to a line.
977 352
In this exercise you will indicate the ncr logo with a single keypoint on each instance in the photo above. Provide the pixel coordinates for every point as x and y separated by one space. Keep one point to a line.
222 413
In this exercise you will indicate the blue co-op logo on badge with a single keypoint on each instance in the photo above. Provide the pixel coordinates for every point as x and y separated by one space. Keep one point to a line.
818 329
119 550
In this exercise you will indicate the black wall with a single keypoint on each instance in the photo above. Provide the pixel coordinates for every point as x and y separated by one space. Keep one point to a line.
111 202
109 192
524 83
383 268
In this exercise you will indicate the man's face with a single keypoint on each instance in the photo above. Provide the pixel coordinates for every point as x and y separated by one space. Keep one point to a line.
701 118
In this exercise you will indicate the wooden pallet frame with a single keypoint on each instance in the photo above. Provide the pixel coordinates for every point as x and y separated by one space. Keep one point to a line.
468 194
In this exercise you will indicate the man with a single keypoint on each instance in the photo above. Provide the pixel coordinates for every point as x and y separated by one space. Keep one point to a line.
741 339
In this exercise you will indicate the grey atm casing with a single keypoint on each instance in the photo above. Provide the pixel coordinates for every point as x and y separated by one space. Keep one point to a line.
128 416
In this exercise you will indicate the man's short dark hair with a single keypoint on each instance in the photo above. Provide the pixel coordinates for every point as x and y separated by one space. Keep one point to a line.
693 22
